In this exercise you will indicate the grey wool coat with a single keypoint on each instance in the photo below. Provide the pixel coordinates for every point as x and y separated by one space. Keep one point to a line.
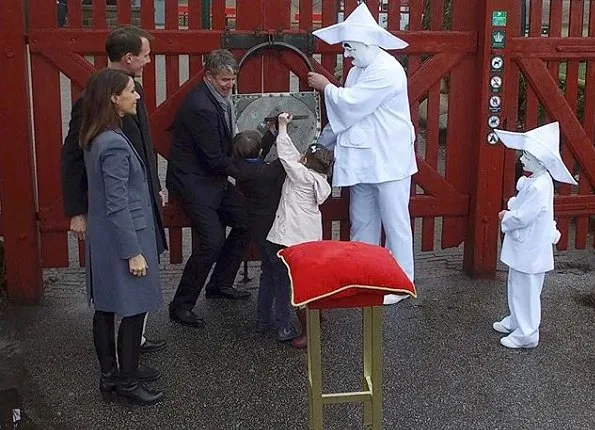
120 226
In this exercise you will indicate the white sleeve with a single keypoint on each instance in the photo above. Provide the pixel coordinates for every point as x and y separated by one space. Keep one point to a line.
290 159
346 106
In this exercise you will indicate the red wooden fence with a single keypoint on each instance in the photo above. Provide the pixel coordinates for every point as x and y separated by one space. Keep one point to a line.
462 180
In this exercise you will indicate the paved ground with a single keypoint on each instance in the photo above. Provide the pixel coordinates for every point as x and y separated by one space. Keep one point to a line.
443 365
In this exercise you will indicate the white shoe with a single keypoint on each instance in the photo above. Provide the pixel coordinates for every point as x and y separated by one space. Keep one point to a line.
508 343
392 299
500 328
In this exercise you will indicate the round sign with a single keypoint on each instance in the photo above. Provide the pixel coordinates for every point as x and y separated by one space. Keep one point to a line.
497 62
495 101
494 121
492 138
496 82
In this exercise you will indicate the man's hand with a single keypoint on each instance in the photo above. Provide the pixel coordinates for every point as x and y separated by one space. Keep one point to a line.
501 215
162 198
317 81
78 226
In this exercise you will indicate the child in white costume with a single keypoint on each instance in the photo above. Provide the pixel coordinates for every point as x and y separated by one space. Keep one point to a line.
530 231
371 130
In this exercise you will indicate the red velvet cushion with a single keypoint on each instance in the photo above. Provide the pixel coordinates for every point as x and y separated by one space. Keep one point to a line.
334 270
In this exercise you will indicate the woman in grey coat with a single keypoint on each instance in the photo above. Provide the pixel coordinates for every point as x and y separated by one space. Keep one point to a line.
122 266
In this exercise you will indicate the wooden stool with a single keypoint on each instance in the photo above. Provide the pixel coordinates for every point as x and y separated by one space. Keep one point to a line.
371 396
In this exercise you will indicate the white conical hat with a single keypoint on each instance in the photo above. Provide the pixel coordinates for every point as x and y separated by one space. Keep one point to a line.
544 144
360 26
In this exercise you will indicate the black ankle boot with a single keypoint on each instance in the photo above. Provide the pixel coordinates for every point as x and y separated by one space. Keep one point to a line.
107 384
135 392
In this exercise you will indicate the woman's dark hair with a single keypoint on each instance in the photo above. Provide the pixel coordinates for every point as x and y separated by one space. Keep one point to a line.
99 113
319 159
124 39
247 144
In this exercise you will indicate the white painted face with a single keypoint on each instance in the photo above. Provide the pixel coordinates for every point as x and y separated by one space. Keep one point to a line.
361 54
531 164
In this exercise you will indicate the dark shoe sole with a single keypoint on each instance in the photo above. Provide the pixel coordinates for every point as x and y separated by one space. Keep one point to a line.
186 324
151 350
129 400
228 296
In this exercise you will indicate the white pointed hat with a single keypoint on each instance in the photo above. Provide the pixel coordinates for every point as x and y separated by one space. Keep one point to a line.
360 26
544 144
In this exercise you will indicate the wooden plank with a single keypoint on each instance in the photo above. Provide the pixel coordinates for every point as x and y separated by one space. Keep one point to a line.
460 139
276 17
394 15
436 15
481 245
305 24
75 14
422 78
147 22
99 16
218 14
48 143
250 16
123 10
535 17
329 17
195 23
431 157
184 41
18 221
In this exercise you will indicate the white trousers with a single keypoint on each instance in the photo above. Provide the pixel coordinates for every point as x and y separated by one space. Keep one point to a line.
524 304
373 206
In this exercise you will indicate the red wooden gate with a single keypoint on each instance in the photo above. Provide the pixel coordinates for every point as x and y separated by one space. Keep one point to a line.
446 60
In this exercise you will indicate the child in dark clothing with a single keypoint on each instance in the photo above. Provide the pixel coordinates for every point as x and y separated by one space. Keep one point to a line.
261 183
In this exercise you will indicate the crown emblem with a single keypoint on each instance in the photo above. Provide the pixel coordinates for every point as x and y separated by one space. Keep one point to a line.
498 37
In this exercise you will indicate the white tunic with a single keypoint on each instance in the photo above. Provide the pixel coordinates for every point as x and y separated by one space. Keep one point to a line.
371 121
529 226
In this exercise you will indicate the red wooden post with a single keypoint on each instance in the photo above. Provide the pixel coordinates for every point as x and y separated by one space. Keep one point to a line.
21 234
481 246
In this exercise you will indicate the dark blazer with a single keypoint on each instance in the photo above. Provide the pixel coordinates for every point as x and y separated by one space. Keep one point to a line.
261 185
120 226
200 158
74 178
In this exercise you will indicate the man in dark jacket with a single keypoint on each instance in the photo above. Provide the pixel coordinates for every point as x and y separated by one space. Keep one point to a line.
128 48
198 174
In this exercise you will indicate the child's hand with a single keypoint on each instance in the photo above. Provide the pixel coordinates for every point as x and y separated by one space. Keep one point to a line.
501 215
285 118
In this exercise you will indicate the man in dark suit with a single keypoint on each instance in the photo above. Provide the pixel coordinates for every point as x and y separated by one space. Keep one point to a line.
128 48
198 174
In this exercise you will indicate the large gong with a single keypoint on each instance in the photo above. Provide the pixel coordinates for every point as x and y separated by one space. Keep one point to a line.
252 109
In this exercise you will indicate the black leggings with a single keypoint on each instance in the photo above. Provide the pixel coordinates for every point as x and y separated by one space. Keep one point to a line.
129 337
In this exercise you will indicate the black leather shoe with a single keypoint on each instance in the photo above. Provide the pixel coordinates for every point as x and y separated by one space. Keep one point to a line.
145 373
135 392
107 384
152 346
186 317
227 293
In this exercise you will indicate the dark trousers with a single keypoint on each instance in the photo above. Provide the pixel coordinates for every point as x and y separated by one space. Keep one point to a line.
129 335
213 247
274 287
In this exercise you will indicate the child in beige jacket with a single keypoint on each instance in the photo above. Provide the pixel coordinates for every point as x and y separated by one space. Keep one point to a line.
298 218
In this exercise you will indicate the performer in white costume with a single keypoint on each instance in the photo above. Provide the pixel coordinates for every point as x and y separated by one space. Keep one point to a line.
530 231
371 130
